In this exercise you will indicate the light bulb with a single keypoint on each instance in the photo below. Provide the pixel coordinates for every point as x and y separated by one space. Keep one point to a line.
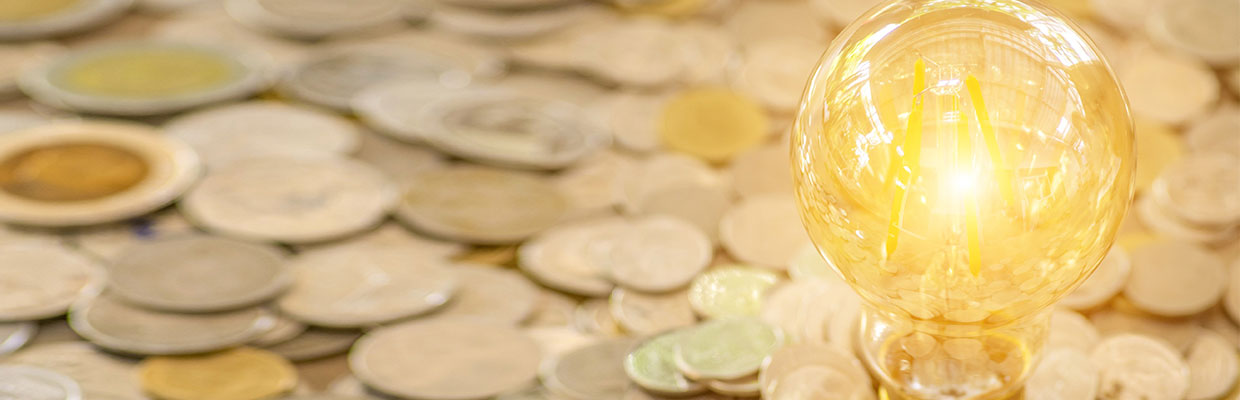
962 164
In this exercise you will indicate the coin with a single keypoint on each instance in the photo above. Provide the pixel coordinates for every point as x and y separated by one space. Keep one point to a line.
101 376
509 129
759 171
445 359
394 107
804 310
742 387
1207 29
1213 366
213 26
1160 220
314 18
806 371
1127 15
1110 322
1157 147
355 287
14 335
42 280
315 343
647 314
508 4
282 330
108 242
707 51
83 173
1071 330
751 23
631 52
144 78
31 383
509 26
1175 279
773 71
1201 190
481 205
492 293
633 119
1136 367
592 186
263 129
594 317
554 341
115 325
391 235
726 348
661 172
842 12
399 161
1106 281
652 367
292 200
1167 87
243 374
23 20
593 371
656 254
1216 132
1063 374
714 124
701 205
729 291
764 230
554 309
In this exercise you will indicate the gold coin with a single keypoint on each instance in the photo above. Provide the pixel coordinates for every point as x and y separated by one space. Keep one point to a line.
238 374
1157 147
71 172
25 10
712 123
146 73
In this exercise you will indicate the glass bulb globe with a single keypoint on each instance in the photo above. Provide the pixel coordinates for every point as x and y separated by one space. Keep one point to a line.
962 164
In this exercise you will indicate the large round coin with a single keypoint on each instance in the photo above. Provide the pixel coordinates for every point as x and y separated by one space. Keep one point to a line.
83 173
144 78
292 200
446 359
118 326
261 128
40 281
480 205
28 19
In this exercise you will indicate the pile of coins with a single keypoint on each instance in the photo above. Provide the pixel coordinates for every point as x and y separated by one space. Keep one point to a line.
525 199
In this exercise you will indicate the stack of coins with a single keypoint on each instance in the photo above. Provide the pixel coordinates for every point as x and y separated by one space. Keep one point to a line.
526 199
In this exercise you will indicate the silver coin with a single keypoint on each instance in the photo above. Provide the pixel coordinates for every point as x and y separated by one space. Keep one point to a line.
313 19
1207 29
14 335
31 383
335 76
101 376
76 16
481 205
1063 374
258 129
43 280
594 371
1138 367
315 343
115 325
492 293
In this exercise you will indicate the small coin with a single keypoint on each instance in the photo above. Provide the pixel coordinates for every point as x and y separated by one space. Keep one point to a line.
1160 220
292 200
764 230
313 19
394 108
651 366
224 134
115 325
23 20
101 376
632 52
763 170
741 387
714 124
243 374
1207 29
197 274
701 205
1139 367
1071 330
1213 366
1112 322
593 371
481 205
1167 87
42 280
647 314
656 254
804 310
492 293
1175 279
315 343
84 173
282 330
730 291
14 335
1106 281
660 172
1063 374
355 287
567 257
1202 189
774 71
445 359
1216 132
803 371
31 383
727 348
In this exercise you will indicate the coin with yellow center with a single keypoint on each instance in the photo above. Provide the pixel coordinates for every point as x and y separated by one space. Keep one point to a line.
71 172
713 124
237 374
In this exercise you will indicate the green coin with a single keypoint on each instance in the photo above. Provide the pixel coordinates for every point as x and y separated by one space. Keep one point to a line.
730 291
652 367
726 348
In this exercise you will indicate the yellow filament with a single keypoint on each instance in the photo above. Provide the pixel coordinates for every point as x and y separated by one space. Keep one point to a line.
911 158
964 158
992 142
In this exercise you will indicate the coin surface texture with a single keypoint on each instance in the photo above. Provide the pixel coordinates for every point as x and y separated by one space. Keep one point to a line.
242 374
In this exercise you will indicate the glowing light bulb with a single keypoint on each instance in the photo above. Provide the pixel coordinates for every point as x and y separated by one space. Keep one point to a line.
963 164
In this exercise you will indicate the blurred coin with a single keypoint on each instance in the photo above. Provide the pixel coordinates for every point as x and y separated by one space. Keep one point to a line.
755 22
841 13
392 237
592 186
1213 366
554 309
764 230
508 4
144 78
352 389
399 161
1071 330
394 107
803 310
356 287
1219 131
213 26
633 52
1160 220
315 343
647 314
22 19
662 171
671 8
1179 335
1207 29
512 25
492 293
445 359
741 387
19 119
1138 367
594 317
14 58
707 51
808 264
773 71
197 274
224 134
568 258
32 383
730 291
1175 279
656 254
312 19
1106 281
593 371
554 341
1201 190
1231 302
763 170
652 366
282 330
101 376
509 129
813 371
633 117
241 374
41 280
14 335
1063 374
713 124
1168 87
292 200
481 205
1127 15
636 393
115 325
1157 147
701 205
82 173
108 242
726 348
